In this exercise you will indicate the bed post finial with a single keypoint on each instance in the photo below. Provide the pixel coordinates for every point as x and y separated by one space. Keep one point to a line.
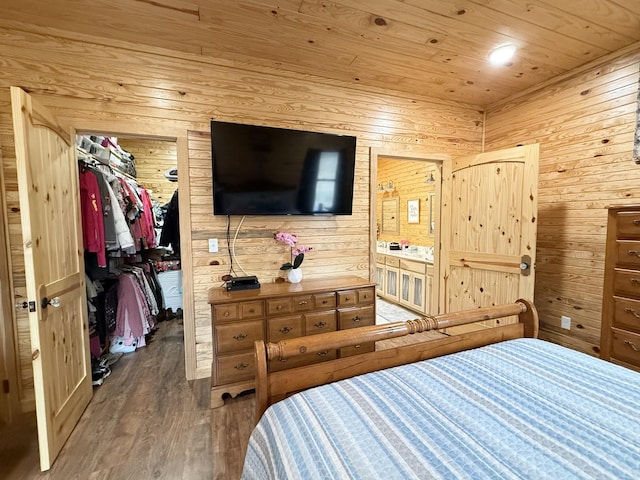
529 318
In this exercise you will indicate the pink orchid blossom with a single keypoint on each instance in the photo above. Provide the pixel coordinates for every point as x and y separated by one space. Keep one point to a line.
286 238
300 249
297 254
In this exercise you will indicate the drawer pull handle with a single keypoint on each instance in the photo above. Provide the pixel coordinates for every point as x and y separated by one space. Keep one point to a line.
279 307
240 336
241 366
285 330
324 302
323 353
633 346
636 221
357 318
252 310
634 280
346 299
632 312
226 314
303 302
320 324
635 253
356 346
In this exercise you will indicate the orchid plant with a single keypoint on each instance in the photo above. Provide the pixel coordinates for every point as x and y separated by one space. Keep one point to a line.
297 253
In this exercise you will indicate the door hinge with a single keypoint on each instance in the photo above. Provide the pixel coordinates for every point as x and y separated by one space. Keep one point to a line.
5 386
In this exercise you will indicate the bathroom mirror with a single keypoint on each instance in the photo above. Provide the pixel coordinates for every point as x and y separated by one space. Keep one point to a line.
390 216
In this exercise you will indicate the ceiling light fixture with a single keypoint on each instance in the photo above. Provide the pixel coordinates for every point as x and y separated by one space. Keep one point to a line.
502 55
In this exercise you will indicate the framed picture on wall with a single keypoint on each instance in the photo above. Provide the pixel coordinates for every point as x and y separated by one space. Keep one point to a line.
413 211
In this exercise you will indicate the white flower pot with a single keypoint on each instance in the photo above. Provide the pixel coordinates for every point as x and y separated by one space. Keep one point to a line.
294 275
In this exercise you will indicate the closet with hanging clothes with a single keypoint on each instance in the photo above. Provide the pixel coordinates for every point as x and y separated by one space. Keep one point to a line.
120 237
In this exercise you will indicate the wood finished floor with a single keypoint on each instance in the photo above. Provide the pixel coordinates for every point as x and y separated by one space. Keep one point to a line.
147 422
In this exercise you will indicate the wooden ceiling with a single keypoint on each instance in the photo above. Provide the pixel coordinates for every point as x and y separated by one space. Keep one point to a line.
434 48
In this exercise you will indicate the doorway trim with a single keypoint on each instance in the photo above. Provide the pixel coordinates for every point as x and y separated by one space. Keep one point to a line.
10 393
186 262
439 159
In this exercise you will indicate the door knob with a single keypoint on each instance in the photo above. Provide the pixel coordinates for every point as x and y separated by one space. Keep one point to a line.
525 265
54 302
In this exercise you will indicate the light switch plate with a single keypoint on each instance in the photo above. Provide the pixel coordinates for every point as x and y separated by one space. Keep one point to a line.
213 245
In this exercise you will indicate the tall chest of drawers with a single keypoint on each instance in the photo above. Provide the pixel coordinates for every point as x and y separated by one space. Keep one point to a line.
620 336
278 311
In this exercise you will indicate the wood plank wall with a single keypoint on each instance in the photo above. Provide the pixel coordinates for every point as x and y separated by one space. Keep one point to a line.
585 126
117 88
152 159
409 180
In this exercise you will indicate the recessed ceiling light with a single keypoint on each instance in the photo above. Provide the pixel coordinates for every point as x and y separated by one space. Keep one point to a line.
502 54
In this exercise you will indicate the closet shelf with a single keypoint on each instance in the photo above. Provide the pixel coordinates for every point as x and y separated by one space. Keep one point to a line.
86 156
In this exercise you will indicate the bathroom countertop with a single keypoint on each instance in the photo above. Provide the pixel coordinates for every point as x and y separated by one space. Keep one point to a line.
417 256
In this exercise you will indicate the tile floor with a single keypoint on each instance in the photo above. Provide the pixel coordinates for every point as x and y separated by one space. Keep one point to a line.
388 312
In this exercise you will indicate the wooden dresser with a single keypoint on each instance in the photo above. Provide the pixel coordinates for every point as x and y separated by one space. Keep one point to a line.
277 311
620 336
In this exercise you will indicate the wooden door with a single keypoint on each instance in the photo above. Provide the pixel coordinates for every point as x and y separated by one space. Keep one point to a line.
489 220
54 270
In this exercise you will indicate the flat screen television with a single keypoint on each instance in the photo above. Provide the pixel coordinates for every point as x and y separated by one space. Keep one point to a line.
276 171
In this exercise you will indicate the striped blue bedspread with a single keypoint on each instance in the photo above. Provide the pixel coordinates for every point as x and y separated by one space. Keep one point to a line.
518 409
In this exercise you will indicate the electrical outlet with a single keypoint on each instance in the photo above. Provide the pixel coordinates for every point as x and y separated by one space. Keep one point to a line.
565 322
213 245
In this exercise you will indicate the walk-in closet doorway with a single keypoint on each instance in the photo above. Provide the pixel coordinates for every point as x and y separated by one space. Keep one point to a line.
146 165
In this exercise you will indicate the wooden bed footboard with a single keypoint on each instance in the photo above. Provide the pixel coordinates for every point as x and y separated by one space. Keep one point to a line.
274 386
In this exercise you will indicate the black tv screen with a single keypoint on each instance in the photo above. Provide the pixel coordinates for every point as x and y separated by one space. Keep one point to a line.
275 171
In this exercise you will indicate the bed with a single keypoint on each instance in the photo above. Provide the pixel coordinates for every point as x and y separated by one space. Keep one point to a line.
504 405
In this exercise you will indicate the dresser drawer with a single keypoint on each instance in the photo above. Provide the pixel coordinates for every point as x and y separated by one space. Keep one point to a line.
356 317
324 300
628 253
626 282
626 313
300 360
347 298
625 346
284 327
366 295
251 310
302 303
234 368
237 311
223 313
320 322
628 224
279 306
234 337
